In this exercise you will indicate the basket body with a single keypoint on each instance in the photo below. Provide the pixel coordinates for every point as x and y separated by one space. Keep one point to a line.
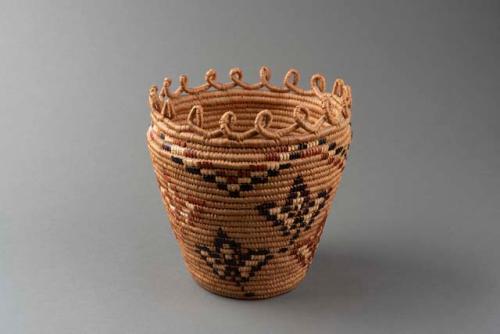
248 198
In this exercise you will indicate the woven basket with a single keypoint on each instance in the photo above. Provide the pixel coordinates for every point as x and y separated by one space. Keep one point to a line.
247 173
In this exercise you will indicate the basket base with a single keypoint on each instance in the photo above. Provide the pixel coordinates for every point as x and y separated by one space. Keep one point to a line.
240 296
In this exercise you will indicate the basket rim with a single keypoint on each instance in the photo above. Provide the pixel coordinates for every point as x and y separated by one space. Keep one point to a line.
335 109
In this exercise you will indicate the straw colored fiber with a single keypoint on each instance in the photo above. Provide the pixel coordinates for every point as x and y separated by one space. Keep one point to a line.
247 173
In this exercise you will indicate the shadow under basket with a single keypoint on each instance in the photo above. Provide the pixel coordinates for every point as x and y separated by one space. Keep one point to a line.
247 173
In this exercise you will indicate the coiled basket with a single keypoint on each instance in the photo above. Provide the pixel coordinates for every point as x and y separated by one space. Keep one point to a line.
247 173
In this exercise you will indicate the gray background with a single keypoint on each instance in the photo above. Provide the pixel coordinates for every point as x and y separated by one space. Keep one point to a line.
412 244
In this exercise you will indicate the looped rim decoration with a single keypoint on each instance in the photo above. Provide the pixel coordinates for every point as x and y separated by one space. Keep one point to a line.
195 122
154 101
295 75
265 74
290 83
166 85
301 116
336 105
263 122
342 93
195 116
263 119
265 77
236 75
211 78
318 83
168 109
331 113
226 124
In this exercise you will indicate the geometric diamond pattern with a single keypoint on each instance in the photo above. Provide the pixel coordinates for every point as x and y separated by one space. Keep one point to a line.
299 211
230 261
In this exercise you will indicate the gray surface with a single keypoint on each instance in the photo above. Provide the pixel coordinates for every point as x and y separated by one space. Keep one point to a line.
411 247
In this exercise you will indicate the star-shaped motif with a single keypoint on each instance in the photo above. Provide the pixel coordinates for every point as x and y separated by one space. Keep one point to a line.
299 211
231 262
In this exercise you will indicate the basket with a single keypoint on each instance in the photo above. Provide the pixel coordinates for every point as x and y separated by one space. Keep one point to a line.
247 173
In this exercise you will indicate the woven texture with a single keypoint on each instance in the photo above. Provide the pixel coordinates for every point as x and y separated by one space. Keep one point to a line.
247 173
